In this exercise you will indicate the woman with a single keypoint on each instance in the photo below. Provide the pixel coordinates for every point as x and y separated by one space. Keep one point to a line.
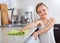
44 24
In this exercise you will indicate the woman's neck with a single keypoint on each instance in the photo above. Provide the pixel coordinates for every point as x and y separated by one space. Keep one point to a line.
45 20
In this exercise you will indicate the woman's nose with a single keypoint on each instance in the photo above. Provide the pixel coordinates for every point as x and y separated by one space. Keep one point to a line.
42 13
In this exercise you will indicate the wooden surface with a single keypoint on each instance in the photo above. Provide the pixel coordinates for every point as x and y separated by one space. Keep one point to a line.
4 13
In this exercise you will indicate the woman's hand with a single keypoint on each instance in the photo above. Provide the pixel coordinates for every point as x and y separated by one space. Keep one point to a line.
35 34
51 19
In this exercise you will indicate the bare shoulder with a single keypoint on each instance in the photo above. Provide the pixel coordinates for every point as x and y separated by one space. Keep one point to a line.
39 23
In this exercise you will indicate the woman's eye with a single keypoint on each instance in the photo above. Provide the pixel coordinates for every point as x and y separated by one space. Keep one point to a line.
39 12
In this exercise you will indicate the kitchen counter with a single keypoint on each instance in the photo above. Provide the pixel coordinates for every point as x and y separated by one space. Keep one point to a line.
5 38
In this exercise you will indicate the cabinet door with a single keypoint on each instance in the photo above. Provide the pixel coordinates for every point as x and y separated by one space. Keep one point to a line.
4 14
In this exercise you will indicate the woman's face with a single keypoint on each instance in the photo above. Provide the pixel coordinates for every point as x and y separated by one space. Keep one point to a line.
42 11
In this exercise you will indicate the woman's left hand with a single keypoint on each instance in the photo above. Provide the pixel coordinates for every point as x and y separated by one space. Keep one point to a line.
35 34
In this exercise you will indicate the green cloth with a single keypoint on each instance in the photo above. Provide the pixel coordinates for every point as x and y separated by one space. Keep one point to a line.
15 32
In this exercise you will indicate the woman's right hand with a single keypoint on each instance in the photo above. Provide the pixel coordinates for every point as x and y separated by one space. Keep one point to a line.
51 19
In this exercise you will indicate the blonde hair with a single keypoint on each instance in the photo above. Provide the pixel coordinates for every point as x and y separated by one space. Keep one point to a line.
40 4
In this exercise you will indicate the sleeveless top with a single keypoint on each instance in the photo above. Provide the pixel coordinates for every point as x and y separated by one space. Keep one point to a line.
47 37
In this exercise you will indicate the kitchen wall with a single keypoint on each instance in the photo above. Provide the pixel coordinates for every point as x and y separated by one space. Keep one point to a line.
10 3
21 5
54 7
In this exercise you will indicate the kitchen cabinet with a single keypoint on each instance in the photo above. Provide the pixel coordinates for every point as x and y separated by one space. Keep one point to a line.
4 13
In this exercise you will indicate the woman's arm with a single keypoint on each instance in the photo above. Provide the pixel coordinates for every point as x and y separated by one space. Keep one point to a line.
31 25
52 21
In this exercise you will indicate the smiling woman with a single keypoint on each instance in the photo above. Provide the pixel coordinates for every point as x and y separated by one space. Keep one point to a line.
45 24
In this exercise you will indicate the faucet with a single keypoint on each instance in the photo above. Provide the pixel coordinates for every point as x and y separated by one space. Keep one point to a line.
12 16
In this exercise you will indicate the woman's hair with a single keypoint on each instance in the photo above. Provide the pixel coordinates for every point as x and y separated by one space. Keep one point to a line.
40 4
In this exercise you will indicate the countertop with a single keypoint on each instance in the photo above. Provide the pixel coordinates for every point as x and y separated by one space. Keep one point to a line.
5 38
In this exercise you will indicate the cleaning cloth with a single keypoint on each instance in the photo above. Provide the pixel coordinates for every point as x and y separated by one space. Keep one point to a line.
16 32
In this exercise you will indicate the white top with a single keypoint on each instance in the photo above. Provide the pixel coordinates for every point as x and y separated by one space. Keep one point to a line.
47 37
